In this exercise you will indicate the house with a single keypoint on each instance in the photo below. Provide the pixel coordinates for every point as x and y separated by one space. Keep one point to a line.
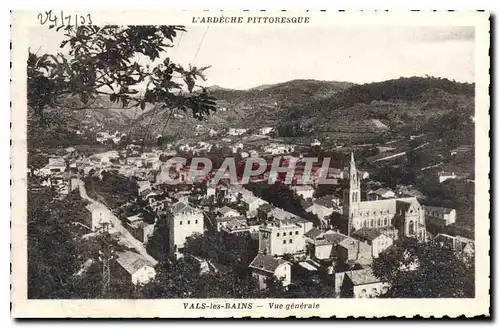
252 203
462 245
56 165
141 230
184 220
380 193
335 245
280 237
304 191
410 191
105 157
222 221
226 211
315 143
210 191
375 238
135 267
237 225
440 216
359 284
236 132
443 176
321 209
265 130
264 267
100 215
144 187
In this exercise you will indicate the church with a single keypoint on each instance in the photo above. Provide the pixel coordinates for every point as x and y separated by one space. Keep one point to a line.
395 217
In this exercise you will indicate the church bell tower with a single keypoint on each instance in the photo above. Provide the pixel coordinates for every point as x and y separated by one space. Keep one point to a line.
352 195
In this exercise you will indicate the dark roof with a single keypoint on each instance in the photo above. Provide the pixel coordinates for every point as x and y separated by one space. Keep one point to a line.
335 237
225 209
132 262
266 263
442 210
362 277
229 218
380 191
181 207
367 234
313 233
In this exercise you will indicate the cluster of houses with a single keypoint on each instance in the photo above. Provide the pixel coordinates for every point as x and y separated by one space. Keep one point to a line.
283 239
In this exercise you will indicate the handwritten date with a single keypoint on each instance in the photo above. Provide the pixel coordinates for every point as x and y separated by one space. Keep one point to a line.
54 19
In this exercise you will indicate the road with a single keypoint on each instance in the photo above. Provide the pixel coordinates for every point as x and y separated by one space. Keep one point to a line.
117 225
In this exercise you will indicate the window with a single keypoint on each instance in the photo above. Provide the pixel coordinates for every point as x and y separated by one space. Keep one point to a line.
296 232
196 221
379 222
385 221
411 228
290 241
291 233
284 241
372 222
180 222
189 222
278 234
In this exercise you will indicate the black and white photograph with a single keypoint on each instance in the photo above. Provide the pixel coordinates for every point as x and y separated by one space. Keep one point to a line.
251 163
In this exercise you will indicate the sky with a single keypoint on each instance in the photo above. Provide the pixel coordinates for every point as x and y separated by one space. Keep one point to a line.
242 57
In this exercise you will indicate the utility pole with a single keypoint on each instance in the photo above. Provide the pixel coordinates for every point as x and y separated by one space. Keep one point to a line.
106 255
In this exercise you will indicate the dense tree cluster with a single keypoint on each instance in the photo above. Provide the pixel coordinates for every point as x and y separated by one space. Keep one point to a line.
425 270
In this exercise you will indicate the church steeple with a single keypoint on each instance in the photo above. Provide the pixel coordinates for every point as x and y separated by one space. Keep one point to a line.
352 195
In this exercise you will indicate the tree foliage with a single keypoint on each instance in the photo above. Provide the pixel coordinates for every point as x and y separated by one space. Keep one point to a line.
110 60
54 255
424 270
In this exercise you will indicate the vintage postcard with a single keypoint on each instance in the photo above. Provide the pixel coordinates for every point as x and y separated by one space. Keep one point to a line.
267 164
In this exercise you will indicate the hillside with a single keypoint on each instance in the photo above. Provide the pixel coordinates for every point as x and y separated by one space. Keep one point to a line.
262 106
405 105
338 111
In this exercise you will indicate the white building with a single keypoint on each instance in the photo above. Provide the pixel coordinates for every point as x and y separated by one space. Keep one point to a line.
378 241
443 176
212 133
381 193
184 221
306 191
226 211
252 203
56 165
236 132
461 245
359 284
280 237
315 143
265 130
223 221
139 270
100 215
264 267
440 215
